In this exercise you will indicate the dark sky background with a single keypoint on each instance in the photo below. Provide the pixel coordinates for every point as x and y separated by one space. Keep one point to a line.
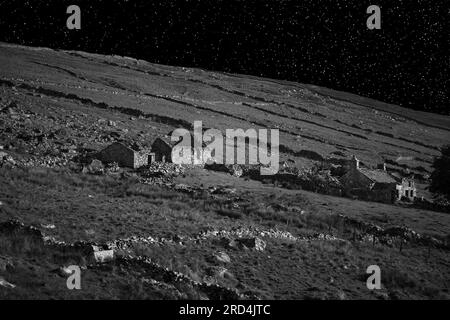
323 42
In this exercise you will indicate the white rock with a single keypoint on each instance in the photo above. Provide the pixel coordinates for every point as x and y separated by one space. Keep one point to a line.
48 226
6 284
64 271
223 257
103 255
5 263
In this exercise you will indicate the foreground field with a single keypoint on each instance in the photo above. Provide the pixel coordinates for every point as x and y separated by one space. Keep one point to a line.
308 254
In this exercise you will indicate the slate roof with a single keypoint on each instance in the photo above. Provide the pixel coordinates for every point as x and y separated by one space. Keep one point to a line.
379 176
130 145
168 141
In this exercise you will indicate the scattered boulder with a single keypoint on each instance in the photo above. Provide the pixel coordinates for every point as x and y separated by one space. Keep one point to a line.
112 167
61 133
381 295
341 295
48 226
63 271
215 273
184 188
221 190
223 257
222 241
6 284
10 108
236 170
95 167
89 232
113 135
7 159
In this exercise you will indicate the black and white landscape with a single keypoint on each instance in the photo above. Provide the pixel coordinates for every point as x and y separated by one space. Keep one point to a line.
352 190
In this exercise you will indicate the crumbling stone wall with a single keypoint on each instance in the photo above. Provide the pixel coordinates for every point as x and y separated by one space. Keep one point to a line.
140 159
407 189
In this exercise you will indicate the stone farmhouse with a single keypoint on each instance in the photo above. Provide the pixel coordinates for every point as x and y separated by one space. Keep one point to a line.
126 155
372 184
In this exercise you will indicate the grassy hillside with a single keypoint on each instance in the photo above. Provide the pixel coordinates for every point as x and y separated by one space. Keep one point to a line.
315 119
190 235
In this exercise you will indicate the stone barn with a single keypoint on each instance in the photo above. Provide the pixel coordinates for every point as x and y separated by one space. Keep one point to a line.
125 155
369 184
162 148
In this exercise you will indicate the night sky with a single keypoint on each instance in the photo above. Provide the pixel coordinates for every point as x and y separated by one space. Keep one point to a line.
320 42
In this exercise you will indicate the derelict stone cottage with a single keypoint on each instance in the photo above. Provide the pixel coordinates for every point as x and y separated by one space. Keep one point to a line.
126 156
369 184
406 189
162 148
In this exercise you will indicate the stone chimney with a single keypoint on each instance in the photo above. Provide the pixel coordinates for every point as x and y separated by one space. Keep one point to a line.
354 163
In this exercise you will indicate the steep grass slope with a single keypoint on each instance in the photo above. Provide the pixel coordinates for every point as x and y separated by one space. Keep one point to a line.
322 122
